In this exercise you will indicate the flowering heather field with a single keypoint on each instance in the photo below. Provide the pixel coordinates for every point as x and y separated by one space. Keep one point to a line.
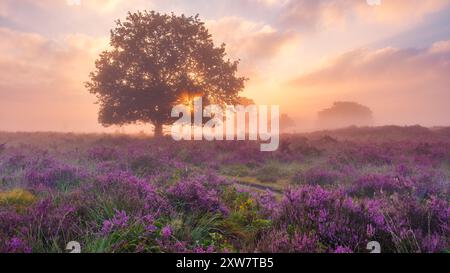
321 192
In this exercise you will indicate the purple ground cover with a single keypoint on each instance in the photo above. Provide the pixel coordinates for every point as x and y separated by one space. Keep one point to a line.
136 194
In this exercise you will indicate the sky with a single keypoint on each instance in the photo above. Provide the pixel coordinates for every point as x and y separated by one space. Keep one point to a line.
303 55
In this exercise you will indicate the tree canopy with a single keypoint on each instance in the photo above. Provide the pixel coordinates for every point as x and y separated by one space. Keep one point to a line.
345 113
157 61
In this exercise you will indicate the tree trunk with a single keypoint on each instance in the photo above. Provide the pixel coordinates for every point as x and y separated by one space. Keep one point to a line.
158 129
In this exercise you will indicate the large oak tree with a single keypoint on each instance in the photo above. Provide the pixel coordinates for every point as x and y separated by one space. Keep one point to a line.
157 61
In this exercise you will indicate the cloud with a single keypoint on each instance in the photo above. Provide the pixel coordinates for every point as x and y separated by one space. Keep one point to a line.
41 84
270 3
252 42
403 85
319 14
31 57
3 9
383 66
440 47
101 6
58 17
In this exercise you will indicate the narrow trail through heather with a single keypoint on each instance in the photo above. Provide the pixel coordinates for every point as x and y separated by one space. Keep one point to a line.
258 187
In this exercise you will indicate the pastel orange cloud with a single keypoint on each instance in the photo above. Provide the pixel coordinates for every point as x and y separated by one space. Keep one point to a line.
400 11
252 42
41 84
329 14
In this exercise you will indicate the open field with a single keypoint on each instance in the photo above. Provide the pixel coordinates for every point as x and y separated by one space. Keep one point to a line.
330 191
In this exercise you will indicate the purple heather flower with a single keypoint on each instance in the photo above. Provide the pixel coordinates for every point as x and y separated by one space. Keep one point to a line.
341 250
370 231
107 227
149 223
119 221
17 245
166 232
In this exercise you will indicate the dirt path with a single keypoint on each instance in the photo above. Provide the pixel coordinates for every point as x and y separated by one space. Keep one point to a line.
258 187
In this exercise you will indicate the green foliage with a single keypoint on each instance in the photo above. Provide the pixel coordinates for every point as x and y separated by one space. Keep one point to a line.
237 170
132 239
269 173
245 224
145 165
20 199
